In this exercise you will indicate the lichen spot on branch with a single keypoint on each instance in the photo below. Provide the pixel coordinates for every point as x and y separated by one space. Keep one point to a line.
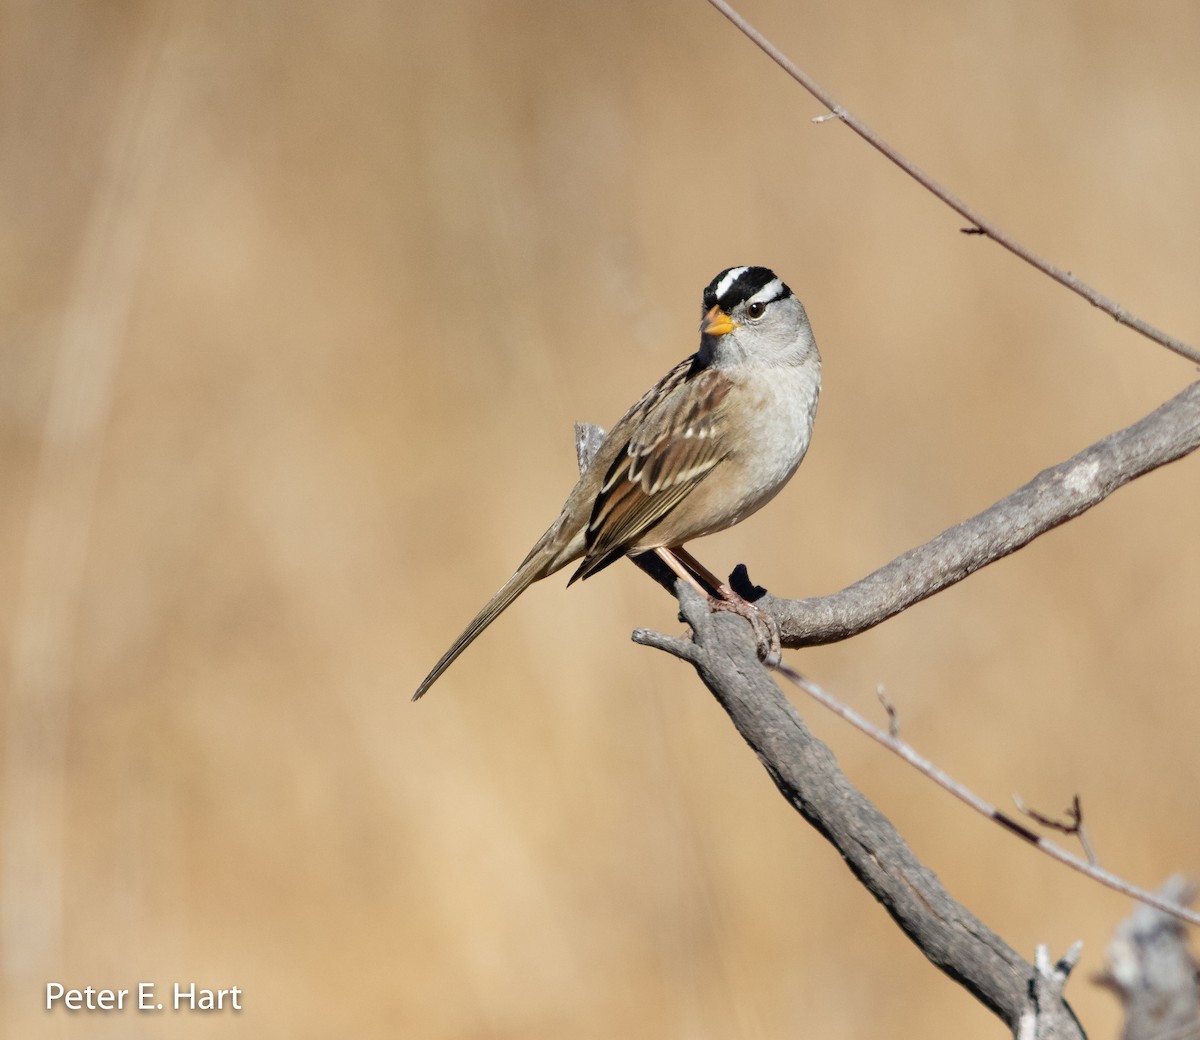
1080 479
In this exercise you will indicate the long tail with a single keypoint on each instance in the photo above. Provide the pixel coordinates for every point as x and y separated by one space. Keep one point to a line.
530 571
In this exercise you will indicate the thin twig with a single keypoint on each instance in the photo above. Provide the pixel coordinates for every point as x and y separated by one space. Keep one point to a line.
1073 825
979 224
948 783
890 708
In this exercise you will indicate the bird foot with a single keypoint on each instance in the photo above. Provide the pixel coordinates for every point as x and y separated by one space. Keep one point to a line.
766 628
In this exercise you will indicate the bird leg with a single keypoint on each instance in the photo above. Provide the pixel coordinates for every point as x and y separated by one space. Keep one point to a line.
689 569
704 574
671 557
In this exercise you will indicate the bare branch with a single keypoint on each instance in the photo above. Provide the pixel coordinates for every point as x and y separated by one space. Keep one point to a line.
891 741
1054 496
723 651
979 224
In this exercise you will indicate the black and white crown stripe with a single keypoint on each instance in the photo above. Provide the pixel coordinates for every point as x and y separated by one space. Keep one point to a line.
744 285
725 281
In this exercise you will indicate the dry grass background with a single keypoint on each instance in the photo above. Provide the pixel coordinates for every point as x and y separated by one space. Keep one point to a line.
300 301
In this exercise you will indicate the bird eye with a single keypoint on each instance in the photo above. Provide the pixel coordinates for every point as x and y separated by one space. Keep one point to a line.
756 310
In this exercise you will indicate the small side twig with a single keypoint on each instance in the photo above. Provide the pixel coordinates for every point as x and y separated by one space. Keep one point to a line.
1072 825
1046 1014
890 709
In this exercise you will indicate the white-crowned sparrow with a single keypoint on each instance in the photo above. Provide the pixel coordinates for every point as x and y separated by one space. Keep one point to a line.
714 441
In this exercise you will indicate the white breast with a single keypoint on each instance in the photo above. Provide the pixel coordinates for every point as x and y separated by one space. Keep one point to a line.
776 435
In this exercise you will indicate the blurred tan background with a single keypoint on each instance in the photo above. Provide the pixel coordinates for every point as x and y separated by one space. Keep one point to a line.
300 301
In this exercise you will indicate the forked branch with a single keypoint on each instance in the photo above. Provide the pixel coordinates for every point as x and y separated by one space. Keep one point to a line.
724 653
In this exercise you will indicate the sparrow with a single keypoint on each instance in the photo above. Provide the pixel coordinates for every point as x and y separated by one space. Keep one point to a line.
712 442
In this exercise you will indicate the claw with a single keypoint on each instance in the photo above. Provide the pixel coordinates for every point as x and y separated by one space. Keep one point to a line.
766 628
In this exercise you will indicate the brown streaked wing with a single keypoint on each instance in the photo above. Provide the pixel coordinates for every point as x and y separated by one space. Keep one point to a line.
672 446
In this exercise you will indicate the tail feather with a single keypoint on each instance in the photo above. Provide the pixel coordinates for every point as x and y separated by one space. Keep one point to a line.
529 572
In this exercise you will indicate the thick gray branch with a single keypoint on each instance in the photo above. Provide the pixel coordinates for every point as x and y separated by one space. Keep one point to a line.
1054 496
724 654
